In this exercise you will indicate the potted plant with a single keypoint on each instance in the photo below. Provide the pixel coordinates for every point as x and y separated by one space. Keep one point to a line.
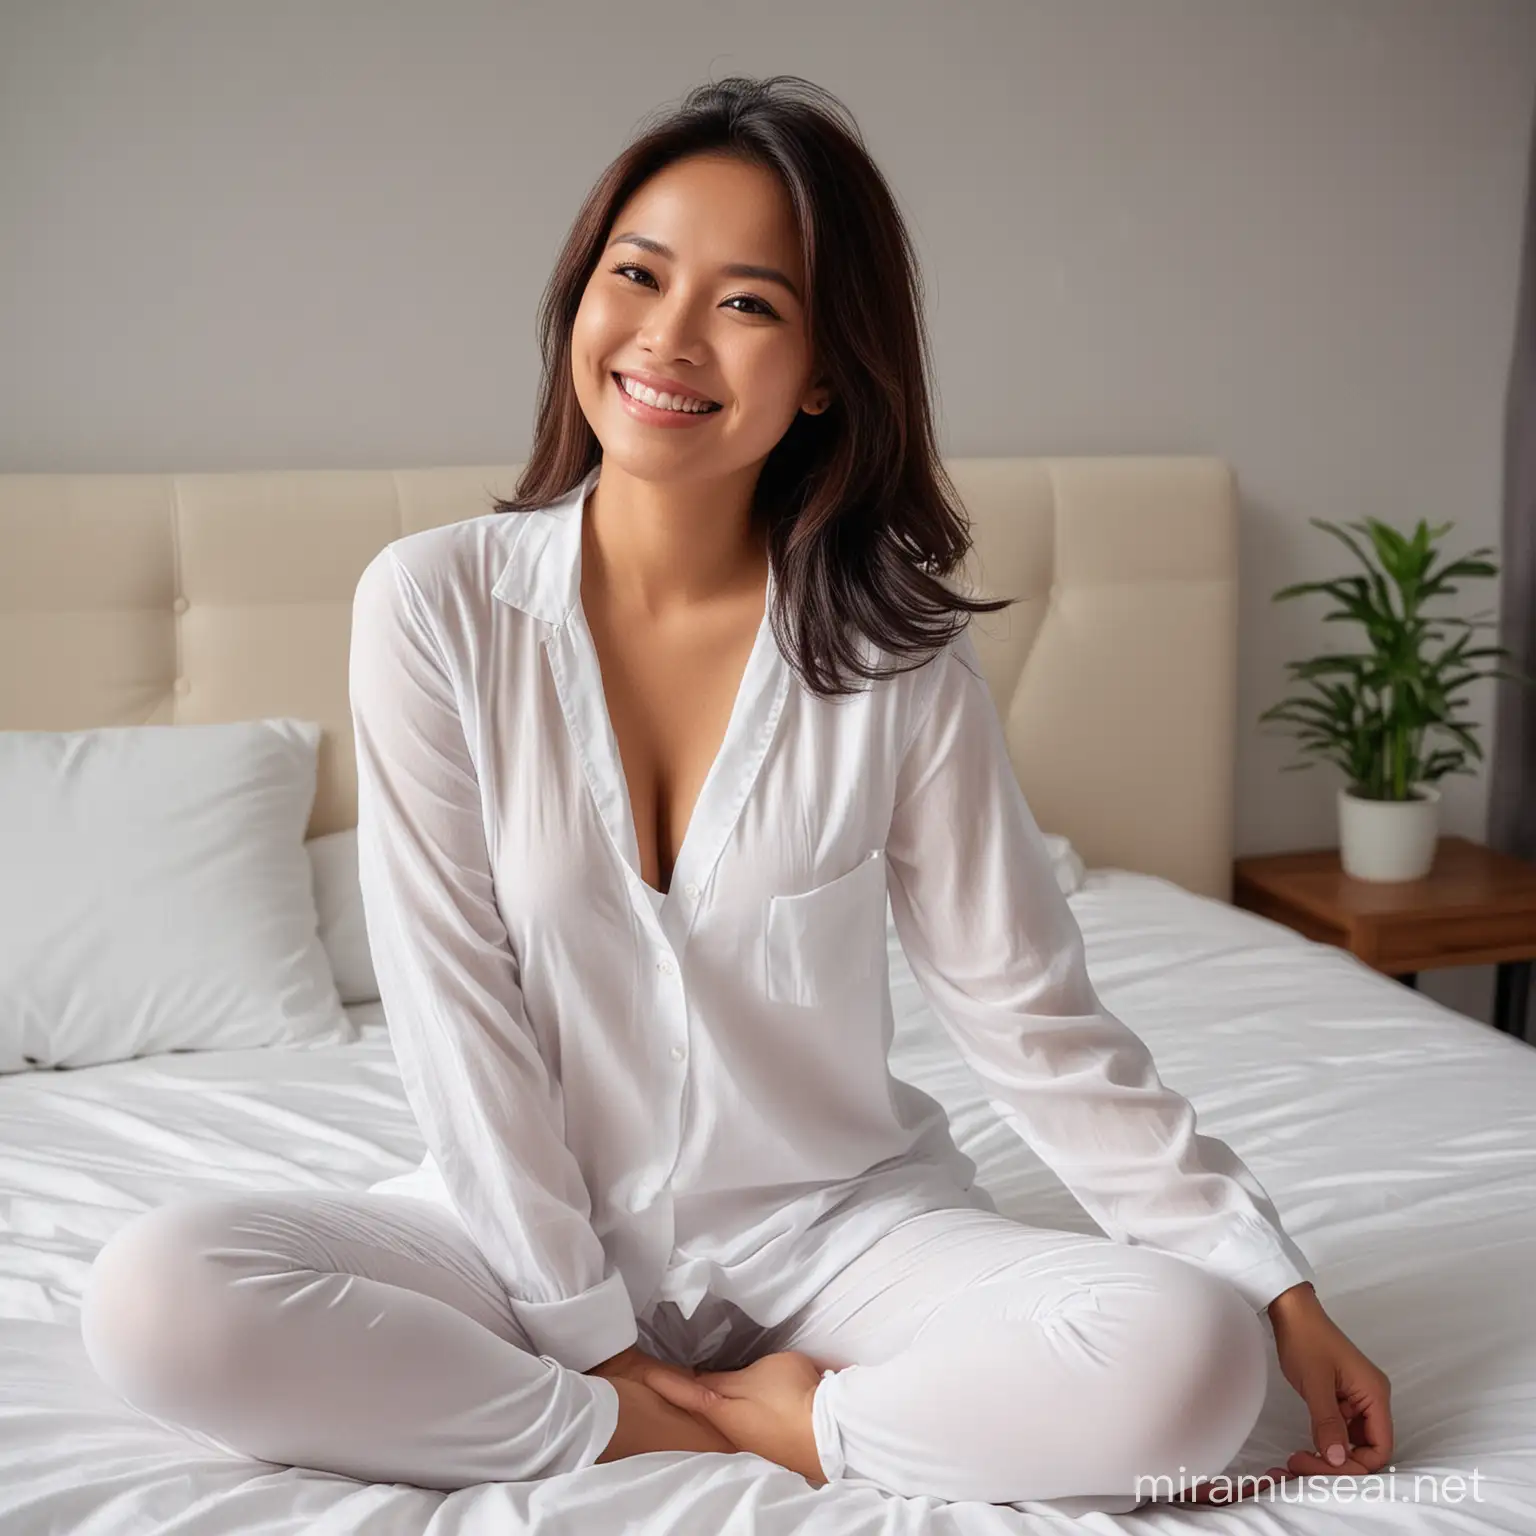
1373 711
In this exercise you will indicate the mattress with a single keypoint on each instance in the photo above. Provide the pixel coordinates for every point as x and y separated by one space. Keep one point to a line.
1397 1138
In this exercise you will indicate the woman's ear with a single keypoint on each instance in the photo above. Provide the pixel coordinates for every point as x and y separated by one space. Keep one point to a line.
817 400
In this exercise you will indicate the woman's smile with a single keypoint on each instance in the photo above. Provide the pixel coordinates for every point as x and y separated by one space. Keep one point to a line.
658 415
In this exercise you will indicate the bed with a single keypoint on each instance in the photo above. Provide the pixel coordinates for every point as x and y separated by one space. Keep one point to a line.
1397 1138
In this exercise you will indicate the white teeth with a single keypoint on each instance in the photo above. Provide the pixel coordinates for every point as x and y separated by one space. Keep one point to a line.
663 402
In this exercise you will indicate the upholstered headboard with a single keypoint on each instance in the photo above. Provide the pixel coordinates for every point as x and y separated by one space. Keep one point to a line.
145 599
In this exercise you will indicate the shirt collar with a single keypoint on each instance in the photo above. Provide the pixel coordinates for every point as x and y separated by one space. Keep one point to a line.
542 575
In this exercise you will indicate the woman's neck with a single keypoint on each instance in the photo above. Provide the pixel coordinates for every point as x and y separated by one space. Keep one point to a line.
656 546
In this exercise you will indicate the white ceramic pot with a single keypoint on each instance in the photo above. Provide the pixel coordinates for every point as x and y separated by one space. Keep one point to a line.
1389 839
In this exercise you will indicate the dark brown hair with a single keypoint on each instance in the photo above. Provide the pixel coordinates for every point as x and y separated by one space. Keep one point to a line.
862 520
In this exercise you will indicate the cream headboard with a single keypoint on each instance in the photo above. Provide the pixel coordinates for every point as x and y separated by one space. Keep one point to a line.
147 599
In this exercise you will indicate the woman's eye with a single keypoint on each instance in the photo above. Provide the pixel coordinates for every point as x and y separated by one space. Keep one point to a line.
762 308
628 267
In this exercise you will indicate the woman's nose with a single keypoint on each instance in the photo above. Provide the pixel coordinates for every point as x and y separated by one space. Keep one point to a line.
672 329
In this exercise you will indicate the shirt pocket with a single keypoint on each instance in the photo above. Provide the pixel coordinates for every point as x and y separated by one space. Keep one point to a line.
819 942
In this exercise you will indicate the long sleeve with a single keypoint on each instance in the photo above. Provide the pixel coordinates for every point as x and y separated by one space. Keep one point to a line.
488 1110
996 949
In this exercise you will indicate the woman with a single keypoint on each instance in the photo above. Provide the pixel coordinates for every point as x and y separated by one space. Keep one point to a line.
641 754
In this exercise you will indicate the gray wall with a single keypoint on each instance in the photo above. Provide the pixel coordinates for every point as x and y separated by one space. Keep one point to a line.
313 233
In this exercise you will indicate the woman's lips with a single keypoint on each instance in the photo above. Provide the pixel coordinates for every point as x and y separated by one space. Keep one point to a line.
654 416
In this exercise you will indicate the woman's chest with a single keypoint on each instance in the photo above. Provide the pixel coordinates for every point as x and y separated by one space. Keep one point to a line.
744 796
670 695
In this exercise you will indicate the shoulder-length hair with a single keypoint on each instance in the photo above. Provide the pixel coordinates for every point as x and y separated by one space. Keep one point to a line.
862 521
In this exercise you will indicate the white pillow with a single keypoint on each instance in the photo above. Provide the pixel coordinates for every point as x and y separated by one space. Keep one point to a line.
155 894
343 931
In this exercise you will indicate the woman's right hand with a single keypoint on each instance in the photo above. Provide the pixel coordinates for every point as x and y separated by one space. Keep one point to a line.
647 1420
632 1362
764 1408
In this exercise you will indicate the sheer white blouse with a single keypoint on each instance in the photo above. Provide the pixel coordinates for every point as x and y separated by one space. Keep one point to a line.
628 1097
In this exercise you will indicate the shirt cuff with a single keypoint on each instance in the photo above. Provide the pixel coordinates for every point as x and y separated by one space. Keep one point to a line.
579 1332
1272 1264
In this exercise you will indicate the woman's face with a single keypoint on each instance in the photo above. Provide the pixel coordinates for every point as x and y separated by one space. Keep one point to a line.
735 338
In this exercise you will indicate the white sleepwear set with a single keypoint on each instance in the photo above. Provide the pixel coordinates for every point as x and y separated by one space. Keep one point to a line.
671 1118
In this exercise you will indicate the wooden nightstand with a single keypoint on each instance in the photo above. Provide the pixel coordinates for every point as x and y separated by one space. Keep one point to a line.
1475 907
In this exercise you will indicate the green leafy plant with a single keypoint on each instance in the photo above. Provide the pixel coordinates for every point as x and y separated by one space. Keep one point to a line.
1373 711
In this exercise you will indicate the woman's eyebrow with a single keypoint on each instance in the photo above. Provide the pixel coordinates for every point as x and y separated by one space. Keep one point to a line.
732 269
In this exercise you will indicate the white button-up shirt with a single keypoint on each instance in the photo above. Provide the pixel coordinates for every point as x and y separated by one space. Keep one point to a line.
628 1096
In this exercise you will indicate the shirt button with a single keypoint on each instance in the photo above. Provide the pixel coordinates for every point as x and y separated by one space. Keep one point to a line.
665 967
678 1053
690 890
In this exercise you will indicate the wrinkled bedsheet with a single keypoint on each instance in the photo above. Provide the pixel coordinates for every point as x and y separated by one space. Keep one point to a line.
1397 1138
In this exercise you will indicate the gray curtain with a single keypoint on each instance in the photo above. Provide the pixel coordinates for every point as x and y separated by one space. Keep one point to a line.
1512 779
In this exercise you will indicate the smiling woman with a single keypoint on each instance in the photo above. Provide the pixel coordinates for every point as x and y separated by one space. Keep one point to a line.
626 896
745 251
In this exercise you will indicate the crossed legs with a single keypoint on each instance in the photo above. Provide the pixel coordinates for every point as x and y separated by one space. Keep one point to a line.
969 1356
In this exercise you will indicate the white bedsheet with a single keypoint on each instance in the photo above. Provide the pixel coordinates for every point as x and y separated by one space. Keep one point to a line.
1397 1138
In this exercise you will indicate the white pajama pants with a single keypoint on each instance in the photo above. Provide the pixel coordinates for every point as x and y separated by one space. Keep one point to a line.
966 1355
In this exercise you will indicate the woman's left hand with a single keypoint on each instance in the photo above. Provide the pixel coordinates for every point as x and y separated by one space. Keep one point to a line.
1348 1398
